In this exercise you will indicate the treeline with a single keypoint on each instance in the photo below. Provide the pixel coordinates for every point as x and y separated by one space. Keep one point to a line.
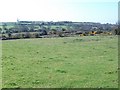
20 36
53 33
30 26
21 30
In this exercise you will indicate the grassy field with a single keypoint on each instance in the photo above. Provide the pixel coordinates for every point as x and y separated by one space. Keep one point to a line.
71 62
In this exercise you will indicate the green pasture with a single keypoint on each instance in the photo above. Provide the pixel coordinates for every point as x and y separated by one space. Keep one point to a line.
38 27
69 62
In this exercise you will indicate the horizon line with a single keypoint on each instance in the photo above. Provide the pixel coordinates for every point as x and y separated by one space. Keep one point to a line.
61 21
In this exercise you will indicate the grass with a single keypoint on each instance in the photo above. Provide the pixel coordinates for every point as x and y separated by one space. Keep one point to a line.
38 27
72 62
61 26
9 26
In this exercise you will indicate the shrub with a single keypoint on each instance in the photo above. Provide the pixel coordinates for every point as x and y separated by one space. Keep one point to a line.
15 36
37 35
27 35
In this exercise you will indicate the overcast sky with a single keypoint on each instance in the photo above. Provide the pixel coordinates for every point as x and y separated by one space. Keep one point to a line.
103 11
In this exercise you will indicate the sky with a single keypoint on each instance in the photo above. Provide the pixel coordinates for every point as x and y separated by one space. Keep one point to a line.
103 11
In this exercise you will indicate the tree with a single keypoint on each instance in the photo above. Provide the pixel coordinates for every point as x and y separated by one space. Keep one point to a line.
54 31
27 35
4 26
0 30
117 31
36 35
43 32
9 35
63 29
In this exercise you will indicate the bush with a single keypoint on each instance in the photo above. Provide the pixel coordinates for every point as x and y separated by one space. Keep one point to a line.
37 35
4 37
117 31
9 35
27 35
16 36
